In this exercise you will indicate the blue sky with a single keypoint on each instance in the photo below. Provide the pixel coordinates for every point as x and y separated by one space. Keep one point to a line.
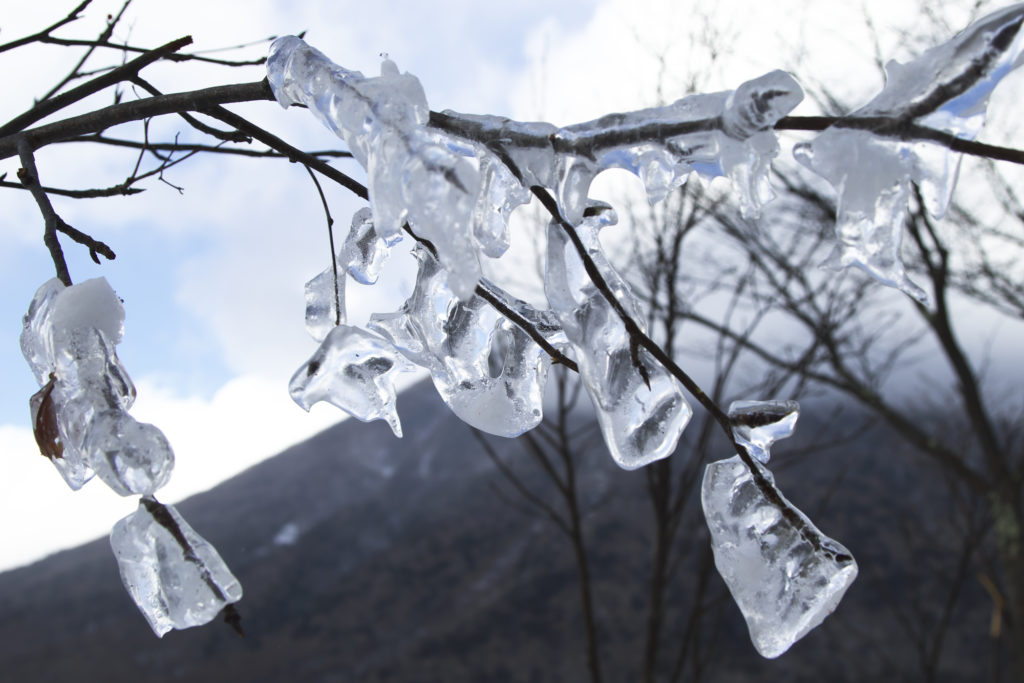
212 278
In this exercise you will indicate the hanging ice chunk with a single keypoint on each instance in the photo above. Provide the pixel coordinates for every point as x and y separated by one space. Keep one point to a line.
784 574
642 410
488 370
49 431
79 416
946 88
176 578
68 339
325 303
130 457
759 424
412 175
365 251
352 370
501 193
37 330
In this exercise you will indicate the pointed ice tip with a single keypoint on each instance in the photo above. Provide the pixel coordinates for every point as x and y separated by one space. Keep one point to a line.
917 294
395 424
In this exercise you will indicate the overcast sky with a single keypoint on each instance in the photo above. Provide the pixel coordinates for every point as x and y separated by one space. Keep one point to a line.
212 278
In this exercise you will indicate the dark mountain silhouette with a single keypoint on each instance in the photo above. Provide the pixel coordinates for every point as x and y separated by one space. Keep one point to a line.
367 558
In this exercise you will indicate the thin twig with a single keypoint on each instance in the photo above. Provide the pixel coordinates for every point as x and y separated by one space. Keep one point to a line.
73 15
29 177
330 237
125 72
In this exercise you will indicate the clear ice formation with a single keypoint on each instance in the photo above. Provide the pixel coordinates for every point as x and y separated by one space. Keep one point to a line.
719 134
458 194
325 303
784 574
641 420
365 251
176 578
353 370
68 338
486 369
946 88
362 256
759 424
413 176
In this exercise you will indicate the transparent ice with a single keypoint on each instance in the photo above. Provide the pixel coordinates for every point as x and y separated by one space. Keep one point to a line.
759 424
325 303
129 456
37 330
642 414
413 176
176 578
488 370
784 574
946 88
353 370
69 335
365 251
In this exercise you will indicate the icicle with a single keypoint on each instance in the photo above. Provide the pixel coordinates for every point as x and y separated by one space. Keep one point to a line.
352 370
642 410
487 370
176 578
500 194
947 88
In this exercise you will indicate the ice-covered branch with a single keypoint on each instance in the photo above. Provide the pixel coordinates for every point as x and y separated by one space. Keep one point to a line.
945 89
